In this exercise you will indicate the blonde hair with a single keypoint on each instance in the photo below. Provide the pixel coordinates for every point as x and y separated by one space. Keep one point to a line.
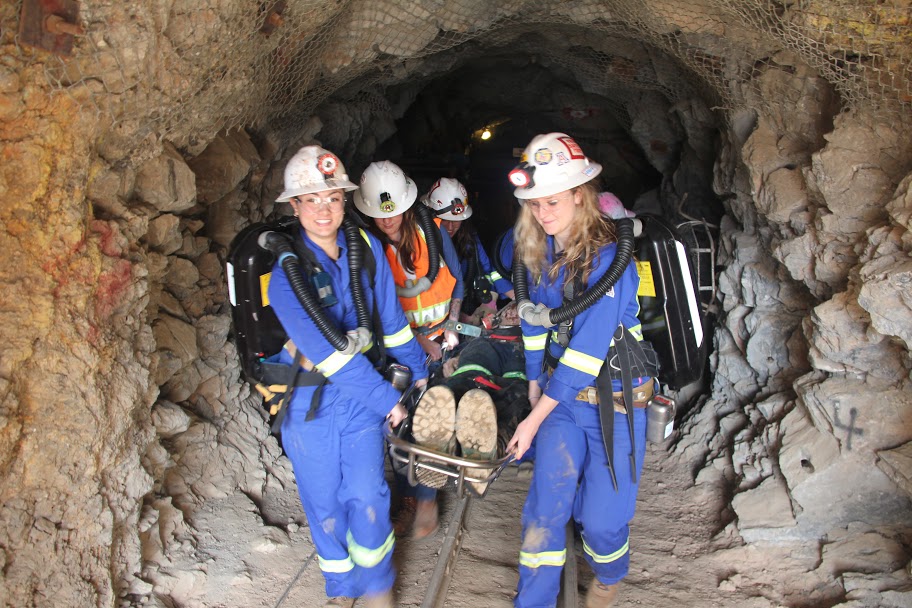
589 232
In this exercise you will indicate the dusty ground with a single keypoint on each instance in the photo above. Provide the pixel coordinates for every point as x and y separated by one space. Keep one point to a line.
681 554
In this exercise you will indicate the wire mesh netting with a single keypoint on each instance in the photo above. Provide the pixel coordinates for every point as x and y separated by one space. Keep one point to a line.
210 64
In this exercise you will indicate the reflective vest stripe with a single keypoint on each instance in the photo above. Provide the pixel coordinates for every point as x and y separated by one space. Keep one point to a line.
581 361
336 565
611 557
432 306
494 276
368 558
426 316
535 342
333 363
399 338
546 558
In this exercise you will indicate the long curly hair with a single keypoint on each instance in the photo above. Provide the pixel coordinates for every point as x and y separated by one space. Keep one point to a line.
408 244
589 232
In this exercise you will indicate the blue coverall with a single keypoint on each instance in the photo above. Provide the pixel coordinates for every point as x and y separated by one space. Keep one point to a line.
571 476
338 456
505 254
500 285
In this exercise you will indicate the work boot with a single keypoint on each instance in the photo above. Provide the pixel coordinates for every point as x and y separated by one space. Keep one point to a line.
405 516
601 595
379 600
476 431
425 519
433 427
339 602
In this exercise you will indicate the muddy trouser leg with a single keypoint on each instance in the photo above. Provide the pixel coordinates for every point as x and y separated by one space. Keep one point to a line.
603 514
561 453
366 496
338 465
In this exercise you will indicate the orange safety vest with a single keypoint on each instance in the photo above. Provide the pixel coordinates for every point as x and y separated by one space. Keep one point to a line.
431 307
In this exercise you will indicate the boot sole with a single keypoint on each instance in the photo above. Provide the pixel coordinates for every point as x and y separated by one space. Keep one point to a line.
476 425
434 421
433 427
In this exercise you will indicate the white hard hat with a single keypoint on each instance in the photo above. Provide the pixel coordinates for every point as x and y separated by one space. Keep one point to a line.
551 163
447 198
385 190
314 169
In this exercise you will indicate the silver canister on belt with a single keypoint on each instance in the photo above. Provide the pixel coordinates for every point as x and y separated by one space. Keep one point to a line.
660 417
399 376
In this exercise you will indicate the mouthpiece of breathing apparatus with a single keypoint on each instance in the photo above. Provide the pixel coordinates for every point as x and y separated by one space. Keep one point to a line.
542 316
347 343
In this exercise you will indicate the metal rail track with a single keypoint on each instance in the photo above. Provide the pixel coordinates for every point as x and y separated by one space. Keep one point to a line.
439 585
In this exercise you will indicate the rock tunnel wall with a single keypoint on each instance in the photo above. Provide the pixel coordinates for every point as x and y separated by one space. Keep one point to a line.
130 164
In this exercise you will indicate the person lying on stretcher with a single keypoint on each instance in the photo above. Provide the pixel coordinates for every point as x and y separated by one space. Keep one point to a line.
474 409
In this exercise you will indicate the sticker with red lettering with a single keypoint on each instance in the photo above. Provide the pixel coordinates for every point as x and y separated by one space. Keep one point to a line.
572 147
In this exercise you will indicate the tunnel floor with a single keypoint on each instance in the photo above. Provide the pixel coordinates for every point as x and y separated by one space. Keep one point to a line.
681 553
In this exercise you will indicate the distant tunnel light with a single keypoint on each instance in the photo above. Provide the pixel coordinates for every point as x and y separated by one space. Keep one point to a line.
486 134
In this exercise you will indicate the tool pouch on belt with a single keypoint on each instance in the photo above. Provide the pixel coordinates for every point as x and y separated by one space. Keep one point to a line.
277 383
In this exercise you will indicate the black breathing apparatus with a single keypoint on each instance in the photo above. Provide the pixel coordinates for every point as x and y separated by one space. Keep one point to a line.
540 315
316 293
434 247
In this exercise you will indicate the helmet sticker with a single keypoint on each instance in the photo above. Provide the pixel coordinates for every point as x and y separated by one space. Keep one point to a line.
572 147
543 156
589 170
561 159
328 163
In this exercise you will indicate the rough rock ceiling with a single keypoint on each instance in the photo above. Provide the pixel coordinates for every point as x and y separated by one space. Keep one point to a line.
187 64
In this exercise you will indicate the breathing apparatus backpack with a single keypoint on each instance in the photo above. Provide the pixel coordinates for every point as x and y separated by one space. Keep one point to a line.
259 335
670 313
671 317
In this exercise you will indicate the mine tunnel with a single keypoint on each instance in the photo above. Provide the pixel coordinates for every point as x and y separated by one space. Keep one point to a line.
137 467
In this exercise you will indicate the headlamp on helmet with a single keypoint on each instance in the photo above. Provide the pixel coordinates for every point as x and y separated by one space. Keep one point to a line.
385 190
558 164
314 169
448 199
387 204
327 164
521 176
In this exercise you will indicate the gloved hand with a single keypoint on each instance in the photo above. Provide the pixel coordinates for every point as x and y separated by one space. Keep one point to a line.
451 339
397 415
